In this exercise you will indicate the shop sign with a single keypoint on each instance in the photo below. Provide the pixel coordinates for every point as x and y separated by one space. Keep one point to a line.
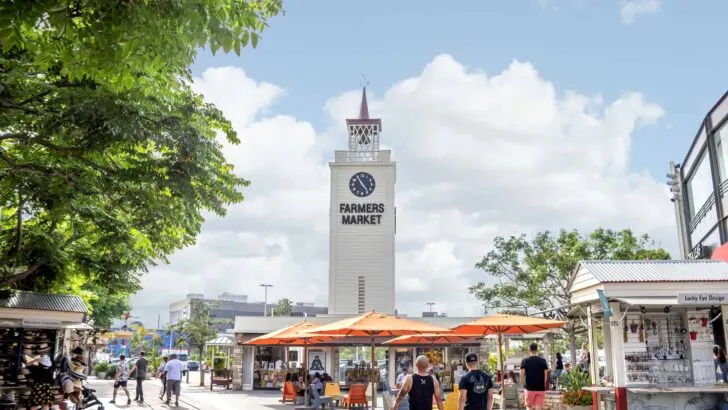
361 214
700 298
44 323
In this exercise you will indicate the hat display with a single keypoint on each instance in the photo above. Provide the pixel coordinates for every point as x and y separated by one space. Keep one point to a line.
45 361
8 398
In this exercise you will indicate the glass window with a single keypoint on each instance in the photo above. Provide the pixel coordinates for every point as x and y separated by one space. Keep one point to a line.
721 148
700 184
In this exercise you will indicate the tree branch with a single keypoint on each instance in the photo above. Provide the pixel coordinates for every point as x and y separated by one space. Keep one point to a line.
22 275
19 226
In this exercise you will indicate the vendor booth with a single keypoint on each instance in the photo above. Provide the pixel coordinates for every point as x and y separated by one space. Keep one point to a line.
660 321
32 325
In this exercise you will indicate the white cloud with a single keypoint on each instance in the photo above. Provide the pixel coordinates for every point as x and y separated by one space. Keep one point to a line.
478 156
631 9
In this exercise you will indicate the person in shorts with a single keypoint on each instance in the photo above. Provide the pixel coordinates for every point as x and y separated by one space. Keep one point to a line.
534 378
121 378
162 376
174 378
475 387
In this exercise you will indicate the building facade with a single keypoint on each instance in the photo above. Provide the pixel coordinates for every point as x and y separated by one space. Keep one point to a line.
699 186
362 221
226 307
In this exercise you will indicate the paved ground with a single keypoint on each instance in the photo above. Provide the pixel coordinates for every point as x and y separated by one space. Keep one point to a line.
193 397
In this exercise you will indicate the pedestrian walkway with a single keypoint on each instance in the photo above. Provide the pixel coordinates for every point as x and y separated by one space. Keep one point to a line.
193 398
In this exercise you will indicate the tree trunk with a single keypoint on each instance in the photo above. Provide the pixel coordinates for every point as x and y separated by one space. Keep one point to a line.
202 372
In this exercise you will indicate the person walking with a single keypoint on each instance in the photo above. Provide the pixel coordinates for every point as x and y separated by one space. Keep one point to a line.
141 374
420 388
162 376
534 378
173 368
475 387
120 379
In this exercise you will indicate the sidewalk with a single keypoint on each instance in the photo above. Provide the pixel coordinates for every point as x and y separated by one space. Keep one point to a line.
193 397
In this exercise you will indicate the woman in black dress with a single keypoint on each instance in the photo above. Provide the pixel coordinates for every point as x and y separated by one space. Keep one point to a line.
41 372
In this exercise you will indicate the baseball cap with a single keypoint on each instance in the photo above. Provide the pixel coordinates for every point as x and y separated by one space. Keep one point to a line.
471 358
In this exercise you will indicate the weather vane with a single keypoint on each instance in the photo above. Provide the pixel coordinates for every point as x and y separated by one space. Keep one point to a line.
364 81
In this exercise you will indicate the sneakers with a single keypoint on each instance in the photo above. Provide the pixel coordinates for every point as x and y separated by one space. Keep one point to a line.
176 404
128 402
113 401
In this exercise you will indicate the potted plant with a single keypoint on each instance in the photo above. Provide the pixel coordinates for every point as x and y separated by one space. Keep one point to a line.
573 395
101 369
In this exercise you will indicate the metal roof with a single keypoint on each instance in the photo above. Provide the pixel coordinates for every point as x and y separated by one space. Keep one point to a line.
222 340
657 271
44 301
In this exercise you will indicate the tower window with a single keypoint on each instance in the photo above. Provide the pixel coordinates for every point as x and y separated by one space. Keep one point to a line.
362 295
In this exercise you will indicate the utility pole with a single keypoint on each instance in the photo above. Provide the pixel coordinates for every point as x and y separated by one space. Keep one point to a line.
675 182
265 303
431 304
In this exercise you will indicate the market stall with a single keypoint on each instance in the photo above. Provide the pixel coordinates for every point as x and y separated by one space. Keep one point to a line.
32 325
445 352
661 320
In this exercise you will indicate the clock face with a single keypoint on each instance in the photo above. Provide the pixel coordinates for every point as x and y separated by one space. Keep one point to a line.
362 184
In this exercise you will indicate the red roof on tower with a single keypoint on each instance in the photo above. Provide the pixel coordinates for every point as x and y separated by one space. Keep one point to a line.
364 113
364 107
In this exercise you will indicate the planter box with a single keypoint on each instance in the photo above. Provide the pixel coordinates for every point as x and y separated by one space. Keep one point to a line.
101 375
577 407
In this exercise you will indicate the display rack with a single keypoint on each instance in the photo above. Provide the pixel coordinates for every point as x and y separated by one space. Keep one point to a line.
657 350
700 331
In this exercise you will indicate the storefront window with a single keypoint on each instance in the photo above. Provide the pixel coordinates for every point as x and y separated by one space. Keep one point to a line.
721 148
700 184
270 367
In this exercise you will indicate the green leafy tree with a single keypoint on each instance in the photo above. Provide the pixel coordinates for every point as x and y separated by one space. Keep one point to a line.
284 307
197 330
108 160
534 275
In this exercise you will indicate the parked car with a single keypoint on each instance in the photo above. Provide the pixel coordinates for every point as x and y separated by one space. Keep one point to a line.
193 365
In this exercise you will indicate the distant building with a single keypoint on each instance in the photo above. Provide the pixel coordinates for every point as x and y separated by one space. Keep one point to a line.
227 306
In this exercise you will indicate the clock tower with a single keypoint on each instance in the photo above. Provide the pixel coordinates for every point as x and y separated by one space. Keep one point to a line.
362 220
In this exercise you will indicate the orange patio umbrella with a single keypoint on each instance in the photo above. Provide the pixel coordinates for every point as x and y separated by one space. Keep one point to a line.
506 325
294 335
374 324
431 338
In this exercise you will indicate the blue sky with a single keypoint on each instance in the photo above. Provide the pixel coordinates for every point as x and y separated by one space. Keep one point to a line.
320 48
500 172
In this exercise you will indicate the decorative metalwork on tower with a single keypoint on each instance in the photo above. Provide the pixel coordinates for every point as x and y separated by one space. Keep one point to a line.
363 133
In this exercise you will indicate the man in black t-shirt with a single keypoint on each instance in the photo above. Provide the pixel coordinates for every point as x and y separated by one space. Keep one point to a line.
534 378
475 387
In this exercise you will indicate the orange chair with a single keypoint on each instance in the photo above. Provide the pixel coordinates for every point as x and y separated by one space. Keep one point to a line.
289 393
357 396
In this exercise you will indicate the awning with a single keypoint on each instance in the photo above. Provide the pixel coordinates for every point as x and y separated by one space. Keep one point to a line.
649 301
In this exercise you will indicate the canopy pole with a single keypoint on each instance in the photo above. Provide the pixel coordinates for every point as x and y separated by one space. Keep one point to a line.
374 387
305 371
501 363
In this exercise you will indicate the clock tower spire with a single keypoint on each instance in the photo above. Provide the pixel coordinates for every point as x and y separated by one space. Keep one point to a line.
363 133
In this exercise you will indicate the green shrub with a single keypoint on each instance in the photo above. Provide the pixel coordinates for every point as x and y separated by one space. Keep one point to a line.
573 385
102 367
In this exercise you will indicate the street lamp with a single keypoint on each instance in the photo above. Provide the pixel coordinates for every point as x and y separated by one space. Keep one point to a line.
430 304
265 303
